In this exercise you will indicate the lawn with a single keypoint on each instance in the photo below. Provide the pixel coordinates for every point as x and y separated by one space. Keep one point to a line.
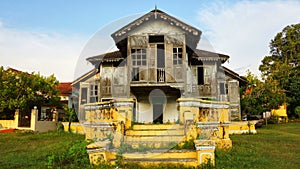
28 150
275 146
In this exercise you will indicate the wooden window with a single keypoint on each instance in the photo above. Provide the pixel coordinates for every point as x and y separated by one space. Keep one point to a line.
106 86
177 56
223 88
93 93
83 96
138 57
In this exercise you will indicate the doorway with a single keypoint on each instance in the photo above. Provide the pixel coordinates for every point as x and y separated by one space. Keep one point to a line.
158 111
160 62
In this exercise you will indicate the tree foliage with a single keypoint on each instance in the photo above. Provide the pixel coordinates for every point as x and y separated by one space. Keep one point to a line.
282 67
70 116
259 96
21 90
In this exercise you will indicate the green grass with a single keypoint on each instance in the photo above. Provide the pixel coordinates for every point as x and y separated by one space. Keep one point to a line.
28 150
275 146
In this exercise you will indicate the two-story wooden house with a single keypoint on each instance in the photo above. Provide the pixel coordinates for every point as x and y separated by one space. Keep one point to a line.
157 63
158 78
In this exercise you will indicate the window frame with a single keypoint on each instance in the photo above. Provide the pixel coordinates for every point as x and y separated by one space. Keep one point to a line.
138 57
223 88
94 92
138 60
177 60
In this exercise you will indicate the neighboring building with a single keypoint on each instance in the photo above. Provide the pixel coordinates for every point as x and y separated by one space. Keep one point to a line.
65 94
37 118
157 76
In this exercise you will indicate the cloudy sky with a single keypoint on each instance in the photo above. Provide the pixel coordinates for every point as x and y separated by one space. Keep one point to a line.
52 37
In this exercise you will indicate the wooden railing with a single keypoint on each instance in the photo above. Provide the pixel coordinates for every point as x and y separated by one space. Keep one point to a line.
160 75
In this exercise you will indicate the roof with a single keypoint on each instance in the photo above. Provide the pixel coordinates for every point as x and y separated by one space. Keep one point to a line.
243 81
84 77
114 56
199 54
193 34
65 88
204 55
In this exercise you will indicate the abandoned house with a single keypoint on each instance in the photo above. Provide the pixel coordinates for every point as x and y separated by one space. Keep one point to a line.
158 77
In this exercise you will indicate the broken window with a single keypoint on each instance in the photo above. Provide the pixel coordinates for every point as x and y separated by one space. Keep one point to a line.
223 88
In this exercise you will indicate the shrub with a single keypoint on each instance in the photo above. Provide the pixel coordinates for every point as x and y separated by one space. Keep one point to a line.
73 157
297 111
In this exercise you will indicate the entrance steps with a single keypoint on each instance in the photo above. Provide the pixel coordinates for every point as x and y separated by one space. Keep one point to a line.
152 144
155 135
188 157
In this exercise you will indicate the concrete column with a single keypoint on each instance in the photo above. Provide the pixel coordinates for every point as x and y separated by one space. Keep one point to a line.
205 151
16 120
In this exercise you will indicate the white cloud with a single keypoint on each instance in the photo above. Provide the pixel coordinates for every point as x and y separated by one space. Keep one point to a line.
244 29
44 52
63 55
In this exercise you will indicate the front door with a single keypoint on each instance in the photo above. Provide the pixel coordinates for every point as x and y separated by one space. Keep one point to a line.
158 113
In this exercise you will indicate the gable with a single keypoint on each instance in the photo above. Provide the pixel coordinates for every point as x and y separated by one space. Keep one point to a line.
158 22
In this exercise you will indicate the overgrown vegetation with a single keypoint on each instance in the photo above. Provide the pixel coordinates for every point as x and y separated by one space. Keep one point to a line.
280 76
275 146
48 150
188 145
22 90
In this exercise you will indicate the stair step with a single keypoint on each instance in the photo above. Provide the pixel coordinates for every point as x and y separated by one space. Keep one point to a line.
154 132
158 127
163 155
159 138
161 160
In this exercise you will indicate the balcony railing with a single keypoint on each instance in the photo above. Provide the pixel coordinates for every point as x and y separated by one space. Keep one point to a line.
160 75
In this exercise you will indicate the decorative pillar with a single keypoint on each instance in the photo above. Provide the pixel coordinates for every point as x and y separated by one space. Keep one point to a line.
16 118
205 151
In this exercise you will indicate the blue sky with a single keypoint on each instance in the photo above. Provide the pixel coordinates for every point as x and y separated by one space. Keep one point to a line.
48 36
79 16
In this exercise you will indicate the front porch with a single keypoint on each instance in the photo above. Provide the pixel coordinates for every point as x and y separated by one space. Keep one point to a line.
201 127
155 104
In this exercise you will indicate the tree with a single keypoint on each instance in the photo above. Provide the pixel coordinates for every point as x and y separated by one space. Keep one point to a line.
283 65
21 90
259 96
70 116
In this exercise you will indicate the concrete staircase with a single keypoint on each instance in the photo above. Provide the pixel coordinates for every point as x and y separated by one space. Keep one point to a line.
151 144
155 134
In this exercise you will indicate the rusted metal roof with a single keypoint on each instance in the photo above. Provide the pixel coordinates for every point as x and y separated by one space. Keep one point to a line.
114 56
204 55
